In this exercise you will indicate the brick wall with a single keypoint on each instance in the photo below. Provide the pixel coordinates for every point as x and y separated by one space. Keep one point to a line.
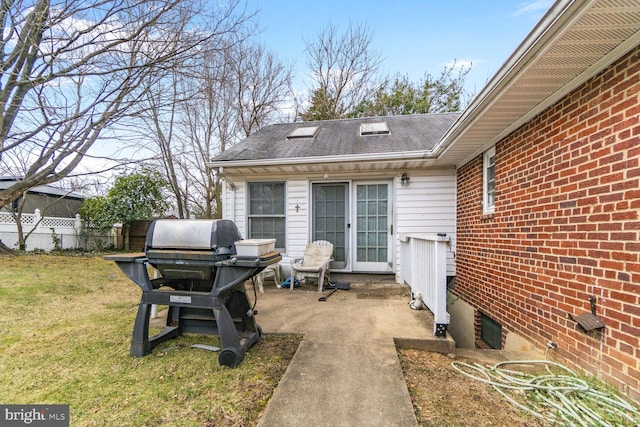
566 226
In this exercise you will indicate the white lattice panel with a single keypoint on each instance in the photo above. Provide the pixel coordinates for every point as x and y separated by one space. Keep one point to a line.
6 218
28 219
51 222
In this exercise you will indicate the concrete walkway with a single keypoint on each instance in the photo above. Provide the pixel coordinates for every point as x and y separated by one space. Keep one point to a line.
346 371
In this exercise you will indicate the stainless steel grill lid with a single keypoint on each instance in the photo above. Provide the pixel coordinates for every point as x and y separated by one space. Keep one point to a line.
203 234
186 251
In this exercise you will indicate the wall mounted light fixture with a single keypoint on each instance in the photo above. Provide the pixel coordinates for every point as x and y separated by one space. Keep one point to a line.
404 180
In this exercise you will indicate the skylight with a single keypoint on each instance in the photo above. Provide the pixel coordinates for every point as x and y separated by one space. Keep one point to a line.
304 132
376 128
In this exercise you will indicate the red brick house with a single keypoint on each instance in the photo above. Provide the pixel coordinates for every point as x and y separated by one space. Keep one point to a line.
548 196
536 186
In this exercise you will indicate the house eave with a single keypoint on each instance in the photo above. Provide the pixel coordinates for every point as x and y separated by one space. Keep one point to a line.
500 108
346 163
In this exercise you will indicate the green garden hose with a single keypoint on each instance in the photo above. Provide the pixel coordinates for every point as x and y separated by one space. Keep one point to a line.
558 396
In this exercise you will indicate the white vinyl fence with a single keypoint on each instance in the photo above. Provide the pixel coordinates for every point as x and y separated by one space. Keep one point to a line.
48 233
424 268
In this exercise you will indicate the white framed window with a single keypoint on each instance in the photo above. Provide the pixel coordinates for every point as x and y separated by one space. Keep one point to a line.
266 213
489 181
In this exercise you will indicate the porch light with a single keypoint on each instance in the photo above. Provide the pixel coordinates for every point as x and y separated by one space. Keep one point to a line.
404 180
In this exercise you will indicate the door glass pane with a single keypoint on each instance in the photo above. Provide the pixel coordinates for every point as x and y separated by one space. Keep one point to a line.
372 220
329 218
331 208
382 192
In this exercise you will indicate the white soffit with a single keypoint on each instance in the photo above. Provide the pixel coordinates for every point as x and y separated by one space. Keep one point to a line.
575 44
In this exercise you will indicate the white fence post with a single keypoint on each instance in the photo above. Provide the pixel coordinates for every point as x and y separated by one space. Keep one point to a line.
78 229
37 218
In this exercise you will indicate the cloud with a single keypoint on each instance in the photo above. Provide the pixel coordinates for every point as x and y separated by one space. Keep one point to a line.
462 63
534 6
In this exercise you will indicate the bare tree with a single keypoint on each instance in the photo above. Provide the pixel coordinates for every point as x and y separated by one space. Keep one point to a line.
72 69
209 121
226 95
345 71
262 86
240 92
158 121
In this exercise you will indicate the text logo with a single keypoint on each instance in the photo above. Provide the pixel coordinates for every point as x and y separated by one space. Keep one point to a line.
34 415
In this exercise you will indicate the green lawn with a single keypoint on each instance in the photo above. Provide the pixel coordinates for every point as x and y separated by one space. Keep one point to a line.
65 327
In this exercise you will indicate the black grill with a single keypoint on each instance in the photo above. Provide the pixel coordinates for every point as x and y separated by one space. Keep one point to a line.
185 252
201 279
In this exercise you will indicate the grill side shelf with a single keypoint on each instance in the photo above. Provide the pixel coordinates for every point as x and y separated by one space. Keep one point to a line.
134 267
262 261
133 257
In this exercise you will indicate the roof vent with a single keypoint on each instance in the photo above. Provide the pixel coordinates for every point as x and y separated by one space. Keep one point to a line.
376 128
304 132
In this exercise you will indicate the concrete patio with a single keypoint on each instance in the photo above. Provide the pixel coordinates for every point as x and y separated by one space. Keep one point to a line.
346 371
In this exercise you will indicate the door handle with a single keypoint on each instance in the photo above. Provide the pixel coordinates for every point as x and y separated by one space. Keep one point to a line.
391 230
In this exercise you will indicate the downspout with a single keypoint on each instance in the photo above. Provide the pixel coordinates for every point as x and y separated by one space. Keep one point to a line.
232 187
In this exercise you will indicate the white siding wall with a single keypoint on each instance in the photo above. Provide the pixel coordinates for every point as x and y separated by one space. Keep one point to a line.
227 205
427 205
233 205
297 222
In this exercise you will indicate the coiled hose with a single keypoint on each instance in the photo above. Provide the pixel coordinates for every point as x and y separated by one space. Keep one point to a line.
558 396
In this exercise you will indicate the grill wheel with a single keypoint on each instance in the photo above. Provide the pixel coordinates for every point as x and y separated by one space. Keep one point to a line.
230 357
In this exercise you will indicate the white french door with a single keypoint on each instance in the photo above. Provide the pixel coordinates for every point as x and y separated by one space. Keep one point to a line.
357 218
372 226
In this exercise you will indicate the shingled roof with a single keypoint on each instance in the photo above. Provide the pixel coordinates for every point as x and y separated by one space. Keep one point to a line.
342 138
8 181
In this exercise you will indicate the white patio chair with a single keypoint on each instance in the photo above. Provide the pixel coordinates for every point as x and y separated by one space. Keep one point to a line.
273 271
315 262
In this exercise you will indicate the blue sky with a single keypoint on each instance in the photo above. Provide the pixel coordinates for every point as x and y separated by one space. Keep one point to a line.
414 36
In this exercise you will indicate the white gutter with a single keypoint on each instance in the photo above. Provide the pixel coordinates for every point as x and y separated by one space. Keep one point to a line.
401 155
520 59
